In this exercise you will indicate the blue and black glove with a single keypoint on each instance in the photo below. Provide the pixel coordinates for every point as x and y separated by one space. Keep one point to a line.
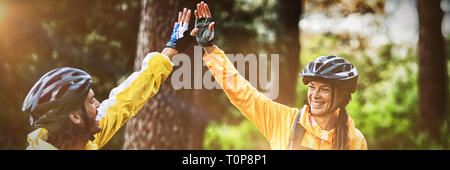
180 38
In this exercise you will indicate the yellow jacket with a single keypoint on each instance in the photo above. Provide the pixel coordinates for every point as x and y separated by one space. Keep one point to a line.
275 121
123 103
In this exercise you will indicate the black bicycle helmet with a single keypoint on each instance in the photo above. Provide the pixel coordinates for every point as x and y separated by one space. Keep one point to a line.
336 70
55 94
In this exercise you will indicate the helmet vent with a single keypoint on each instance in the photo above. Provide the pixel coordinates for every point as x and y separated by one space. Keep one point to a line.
350 74
45 98
76 74
62 91
51 81
76 81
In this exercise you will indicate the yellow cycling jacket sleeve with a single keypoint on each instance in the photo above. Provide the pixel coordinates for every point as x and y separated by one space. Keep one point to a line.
274 120
130 96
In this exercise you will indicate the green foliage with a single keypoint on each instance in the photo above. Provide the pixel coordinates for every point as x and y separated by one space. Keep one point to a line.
244 136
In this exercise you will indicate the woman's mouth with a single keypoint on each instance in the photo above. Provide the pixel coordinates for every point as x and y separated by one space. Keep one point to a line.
317 104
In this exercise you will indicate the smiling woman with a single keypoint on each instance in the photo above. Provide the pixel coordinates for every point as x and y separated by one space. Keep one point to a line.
331 82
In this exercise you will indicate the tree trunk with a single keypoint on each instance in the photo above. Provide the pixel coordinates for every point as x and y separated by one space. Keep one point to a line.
168 120
289 49
432 69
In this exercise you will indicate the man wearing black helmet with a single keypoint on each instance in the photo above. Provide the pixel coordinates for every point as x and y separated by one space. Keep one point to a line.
322 123
63 107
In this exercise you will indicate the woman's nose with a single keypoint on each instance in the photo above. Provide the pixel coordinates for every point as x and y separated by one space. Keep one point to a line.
316 94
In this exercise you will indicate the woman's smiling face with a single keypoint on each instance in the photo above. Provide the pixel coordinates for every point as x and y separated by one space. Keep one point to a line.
319 97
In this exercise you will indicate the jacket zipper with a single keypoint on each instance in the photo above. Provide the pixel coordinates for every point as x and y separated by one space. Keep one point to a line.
322 138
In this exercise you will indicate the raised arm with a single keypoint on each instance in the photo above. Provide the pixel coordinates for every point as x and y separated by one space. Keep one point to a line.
130 96
274 120
179 39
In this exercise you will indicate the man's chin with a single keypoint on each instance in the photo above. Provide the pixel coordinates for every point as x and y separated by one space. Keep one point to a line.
96 129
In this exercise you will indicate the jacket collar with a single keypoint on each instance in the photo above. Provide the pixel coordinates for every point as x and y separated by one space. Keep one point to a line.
311 126
37 140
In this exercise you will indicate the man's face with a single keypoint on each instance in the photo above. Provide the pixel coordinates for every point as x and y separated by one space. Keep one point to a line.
91 104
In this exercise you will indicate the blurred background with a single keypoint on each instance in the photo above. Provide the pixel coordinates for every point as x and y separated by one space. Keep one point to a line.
400 48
